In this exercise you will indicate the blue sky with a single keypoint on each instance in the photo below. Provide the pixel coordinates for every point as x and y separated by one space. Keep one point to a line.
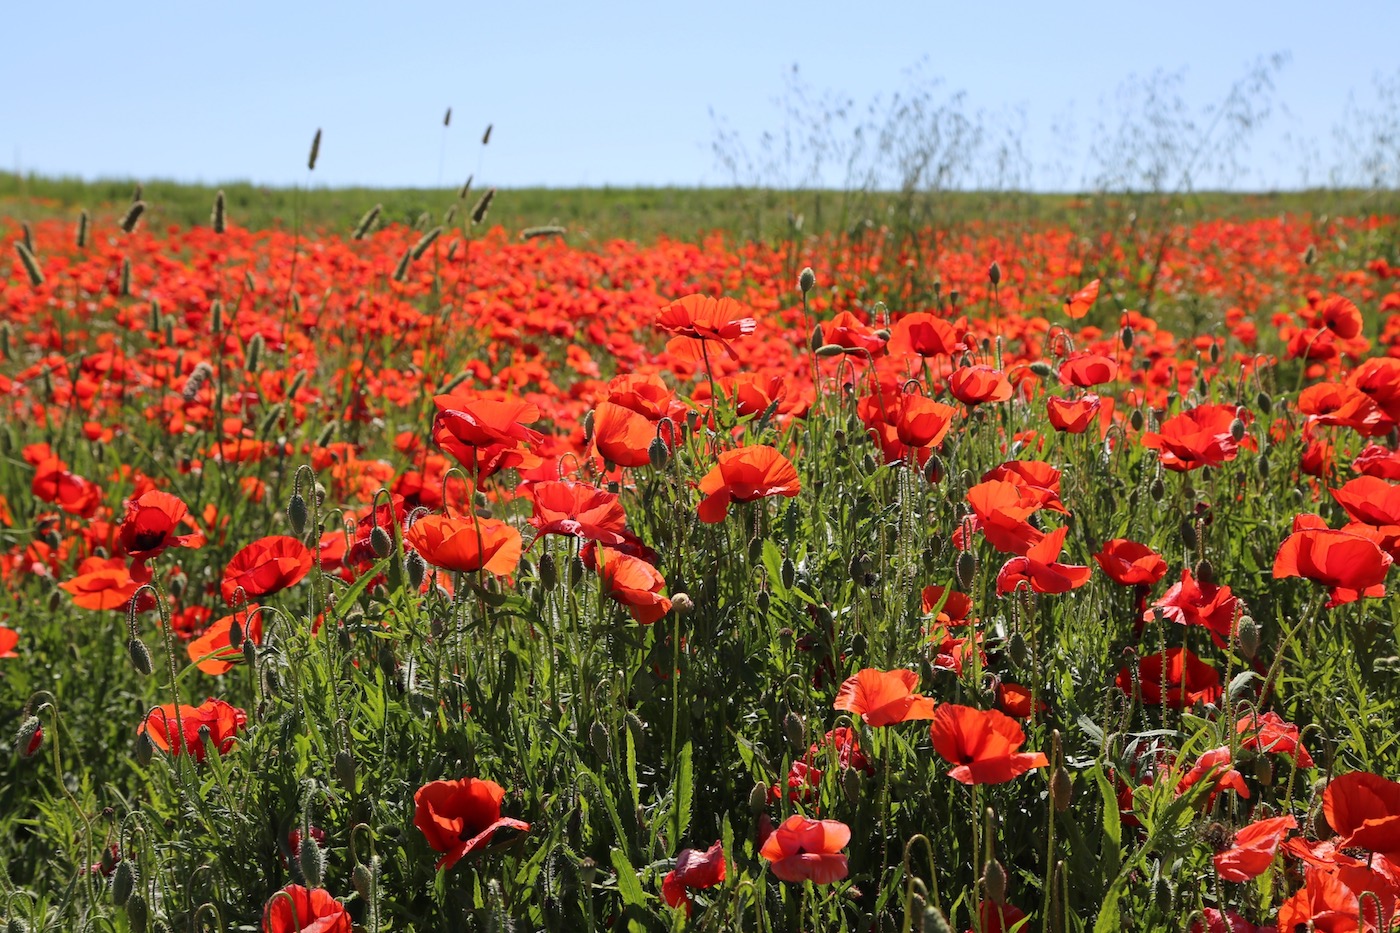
623 93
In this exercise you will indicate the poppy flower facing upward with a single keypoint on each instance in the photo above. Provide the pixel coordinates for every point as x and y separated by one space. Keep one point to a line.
1072 416
466 544
149 527
801 849
695 319
695 870
982 745
883 698
295 909
1196 438
743 475
266 566
459 818
578 510
1349 565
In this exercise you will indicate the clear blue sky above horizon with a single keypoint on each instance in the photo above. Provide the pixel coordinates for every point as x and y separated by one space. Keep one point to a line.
623 93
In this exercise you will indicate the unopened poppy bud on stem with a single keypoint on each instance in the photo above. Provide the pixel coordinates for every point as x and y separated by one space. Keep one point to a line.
994 881
994 273
795 731
758 798
140 656
806 280
24 739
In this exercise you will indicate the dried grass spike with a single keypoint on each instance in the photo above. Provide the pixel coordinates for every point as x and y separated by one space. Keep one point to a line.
315 151
466 187
133 216
30 263
82 237
366 222
220 215
486 137
424 242
482 206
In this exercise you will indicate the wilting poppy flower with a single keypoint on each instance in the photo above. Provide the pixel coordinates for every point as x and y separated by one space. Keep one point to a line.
223 720
266 566
1269 733
1217 766
1039 568
883 698
982 745
743 475
149 527
801 849
694 871
578 510
298 910
1073 416
848 331
1196 438
1087 370
634 583
466 544
1192 602
70 492
1002 509
1129 563
702 318
1364 809
925 335
976 385
461 817
1175 678
1349 565
212 652
8 639
1253 849
1081 301
623 436
101 583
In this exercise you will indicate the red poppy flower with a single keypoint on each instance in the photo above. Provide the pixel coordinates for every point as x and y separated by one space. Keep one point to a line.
951 653
268 565
925 335
70 492
223 721
999 918
1217 766
1323 905
1196 438
1081 301
1370 501
701 318
1015 700
1253 849
1349 565
577 509
466 544
955 607
1192 602
212 653
298 910
1378 461
622 436
1175 678
1269 733
801 849
101 583
477 421
1340 316
694 871
848 331
1039 477
1364 809
743 475
976 385
1002 509
846 743
150 526
634 583
462 817
647 395
1039 568
883 698
1087 370
982 745
9 638
918 421
1073 416
1129 563
1345 406
1218 921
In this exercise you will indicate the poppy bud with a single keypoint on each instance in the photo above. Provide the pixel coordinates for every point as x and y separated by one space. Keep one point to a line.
252 353
235 634
1215 353
859 644
1042 369
1261 466
1310 255
1264 771
1162 894
994 273
362 877
1248 633
682 604
935 922
1126 336
806 280
755 549
1237 429
1205 571
965 570
850 784
588 426
758 798
297 514
1061 789
795 731
416 568
1019 650
17 925
830 350
380 542
657 453
868 463
994 881
548 571
934 470
816 339
29 737
1188 534
145 749
123 882
787 574
576 570
140 656
137 912
635 726
311 860
764 600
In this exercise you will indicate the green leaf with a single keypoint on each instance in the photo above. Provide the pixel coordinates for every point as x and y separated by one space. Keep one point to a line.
628 884
684 792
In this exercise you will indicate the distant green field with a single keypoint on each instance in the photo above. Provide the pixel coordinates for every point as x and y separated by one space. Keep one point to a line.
634 213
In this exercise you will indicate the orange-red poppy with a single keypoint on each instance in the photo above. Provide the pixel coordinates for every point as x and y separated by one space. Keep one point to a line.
1218 767
1072 416
1039 568
1194 602
634 583
466 543
459 818
9 638
266 566
297 910
101 583
982 745
1087 370
622 436
70 492
212 651
1175 678
952 609
223 720
1364 809
977 385
577 510
803 849
1001 509
924 335
1196 438
1350 566
1078 304
150 526
1129 563
1270 733
1253 849
701 318
1039 477
695 870
743 475
851 333
883 698
1370 501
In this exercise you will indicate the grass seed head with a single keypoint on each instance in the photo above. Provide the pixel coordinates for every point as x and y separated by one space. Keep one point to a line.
30 263
133 216
315 151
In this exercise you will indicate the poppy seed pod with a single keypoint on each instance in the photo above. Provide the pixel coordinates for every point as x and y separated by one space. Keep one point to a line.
806 280
140 656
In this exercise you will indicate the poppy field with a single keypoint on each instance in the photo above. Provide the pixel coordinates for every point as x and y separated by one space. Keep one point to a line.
992 578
